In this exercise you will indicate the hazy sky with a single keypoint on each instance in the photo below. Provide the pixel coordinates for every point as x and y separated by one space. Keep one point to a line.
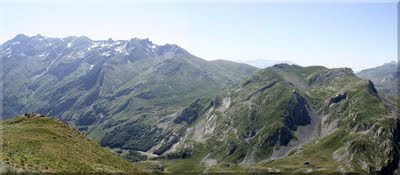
358 34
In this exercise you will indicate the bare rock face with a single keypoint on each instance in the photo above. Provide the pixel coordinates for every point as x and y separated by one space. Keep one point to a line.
190 114
371 87
298 114
385 77
280 137
32 115
339 97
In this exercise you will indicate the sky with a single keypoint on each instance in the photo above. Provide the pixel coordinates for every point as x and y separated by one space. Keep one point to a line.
357 34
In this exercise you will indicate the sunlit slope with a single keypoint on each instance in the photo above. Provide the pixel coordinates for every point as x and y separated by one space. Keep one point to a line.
42 144
291 119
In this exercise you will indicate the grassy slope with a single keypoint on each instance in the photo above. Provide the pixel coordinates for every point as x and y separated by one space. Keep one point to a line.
189 165
171 85
362 109
270 107
354 141
47 145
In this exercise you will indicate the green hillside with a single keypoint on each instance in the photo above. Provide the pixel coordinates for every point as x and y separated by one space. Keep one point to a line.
291 119
42 144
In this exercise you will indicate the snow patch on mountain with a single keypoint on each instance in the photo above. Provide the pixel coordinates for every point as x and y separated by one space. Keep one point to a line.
108 53
122 49
42 55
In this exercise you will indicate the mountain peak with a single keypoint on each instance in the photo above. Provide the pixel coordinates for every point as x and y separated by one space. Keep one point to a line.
391 63
281 65
144 41
84 37
20 37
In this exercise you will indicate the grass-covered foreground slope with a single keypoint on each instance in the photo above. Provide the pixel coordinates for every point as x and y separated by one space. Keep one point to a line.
42 144
291 119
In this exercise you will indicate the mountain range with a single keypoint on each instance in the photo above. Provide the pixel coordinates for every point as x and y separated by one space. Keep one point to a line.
385 77
148 102
102 86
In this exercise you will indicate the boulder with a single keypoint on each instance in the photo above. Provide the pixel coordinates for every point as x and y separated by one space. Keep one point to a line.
337 98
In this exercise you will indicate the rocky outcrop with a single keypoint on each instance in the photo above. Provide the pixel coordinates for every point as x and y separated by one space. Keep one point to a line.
281 136
297 115
371 87
262 90
393 165
337 98
32 115
385 77
190 113
168 144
